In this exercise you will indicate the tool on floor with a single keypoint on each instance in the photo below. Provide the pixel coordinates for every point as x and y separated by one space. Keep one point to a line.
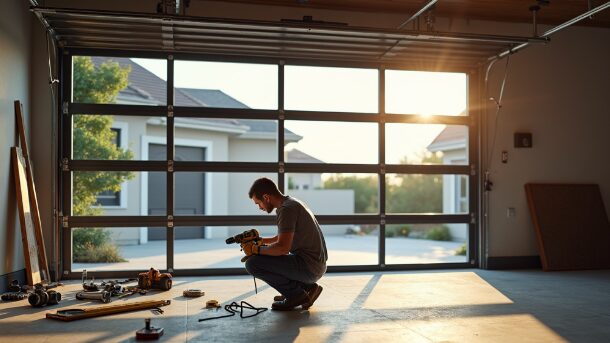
212 304
41 297
13 296
71 314
103 296
234 308
15 292
193 293
149 333
153 279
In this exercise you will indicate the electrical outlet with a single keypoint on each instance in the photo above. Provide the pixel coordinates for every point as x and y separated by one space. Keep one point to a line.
511 212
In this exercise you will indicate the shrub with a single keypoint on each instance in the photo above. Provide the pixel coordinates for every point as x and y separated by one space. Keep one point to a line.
439 233
89 253
397 231
461 251
93 245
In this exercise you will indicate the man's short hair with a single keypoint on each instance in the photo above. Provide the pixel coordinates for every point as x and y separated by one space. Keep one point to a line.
263 186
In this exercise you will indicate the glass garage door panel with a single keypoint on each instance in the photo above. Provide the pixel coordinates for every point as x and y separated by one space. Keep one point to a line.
226 85
331 89
111 249
336 193
426 243
331 142
426 93
119 80
426 144
431 193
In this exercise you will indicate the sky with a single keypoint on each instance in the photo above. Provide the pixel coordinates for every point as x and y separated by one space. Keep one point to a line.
334 89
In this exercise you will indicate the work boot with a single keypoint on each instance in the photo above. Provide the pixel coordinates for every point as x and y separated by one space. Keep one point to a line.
313 293
290 303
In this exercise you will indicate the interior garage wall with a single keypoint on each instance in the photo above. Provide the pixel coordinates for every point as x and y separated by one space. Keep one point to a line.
15 46
559 93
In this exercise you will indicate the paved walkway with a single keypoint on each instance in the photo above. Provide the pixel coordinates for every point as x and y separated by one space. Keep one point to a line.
342 250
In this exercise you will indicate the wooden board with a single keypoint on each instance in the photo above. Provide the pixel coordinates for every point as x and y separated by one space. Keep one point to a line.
42 253
28 236
71 314
571 225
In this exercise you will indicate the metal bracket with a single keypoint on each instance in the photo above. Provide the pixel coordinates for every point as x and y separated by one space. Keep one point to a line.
170 165
473 169
170 111
65 164
382 168
170 221
382 221
65 108
281 169
64 222
473 219
282 115
170 57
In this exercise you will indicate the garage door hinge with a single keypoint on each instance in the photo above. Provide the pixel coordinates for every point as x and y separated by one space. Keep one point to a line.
170 166
381 168
65 164
473 219
170 111
281 168
382 221
170 221
473 169
64 222
65 108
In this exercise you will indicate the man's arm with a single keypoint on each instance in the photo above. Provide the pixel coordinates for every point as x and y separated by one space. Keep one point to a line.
269 240
280 247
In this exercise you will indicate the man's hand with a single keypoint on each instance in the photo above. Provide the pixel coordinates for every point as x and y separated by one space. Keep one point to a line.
250 248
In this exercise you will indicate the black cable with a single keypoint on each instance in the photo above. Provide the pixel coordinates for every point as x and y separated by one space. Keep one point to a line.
234 307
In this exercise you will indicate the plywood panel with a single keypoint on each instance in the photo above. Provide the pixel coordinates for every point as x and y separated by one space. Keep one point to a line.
28 235
571 225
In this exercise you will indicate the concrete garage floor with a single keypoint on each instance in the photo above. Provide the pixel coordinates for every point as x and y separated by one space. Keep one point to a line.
422 306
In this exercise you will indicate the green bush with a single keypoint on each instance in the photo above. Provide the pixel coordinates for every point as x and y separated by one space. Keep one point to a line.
89 253
397 231
93 245
461 251
439 233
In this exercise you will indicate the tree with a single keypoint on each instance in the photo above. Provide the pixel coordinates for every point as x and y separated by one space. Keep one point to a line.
365 190
92 134
415 193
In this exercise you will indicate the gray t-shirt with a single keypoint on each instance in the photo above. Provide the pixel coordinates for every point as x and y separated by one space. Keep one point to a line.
308 241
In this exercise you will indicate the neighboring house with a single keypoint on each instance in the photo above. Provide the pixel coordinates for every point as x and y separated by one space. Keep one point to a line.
199 139
453 143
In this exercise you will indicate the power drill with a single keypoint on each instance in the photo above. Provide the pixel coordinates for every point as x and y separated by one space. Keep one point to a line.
246 236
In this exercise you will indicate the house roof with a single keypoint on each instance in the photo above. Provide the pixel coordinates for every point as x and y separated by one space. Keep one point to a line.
148 89
452 137
297 156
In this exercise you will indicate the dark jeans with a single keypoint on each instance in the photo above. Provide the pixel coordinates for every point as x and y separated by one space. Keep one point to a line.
288 274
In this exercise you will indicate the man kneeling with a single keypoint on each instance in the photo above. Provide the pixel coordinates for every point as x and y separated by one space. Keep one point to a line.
293 260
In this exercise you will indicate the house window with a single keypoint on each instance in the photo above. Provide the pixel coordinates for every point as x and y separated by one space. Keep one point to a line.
110 198
461 193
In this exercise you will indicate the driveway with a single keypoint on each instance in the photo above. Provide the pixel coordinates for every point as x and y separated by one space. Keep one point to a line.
342 251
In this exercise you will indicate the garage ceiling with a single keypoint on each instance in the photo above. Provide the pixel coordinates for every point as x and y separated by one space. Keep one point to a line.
516 11
307 40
